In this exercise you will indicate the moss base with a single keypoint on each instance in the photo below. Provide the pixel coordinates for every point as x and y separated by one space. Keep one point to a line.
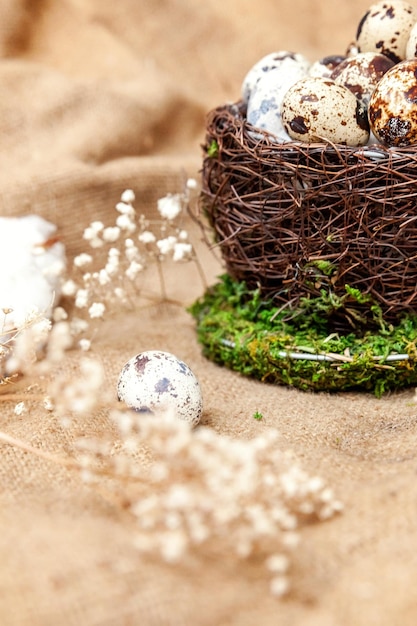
300 348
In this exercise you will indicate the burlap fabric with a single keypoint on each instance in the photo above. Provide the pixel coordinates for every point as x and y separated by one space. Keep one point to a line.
98 96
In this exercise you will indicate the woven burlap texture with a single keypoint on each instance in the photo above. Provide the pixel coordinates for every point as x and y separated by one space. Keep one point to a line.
100 96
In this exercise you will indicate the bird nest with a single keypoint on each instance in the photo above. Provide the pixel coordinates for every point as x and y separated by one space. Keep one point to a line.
326 236
300 220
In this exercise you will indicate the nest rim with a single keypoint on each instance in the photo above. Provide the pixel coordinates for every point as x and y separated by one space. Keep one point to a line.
295 219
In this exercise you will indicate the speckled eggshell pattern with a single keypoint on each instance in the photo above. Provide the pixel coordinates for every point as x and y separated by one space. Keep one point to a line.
287 63
385 28
155 380
264 106
411 47
393 106
325 66
317 109
361 74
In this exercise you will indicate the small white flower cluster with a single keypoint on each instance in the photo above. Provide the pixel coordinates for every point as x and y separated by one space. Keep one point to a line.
122 251
207 490
81 393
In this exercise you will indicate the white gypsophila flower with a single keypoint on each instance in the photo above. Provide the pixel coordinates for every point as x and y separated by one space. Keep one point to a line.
68 288
279 586
103 277
125 209
133 270
91 234
183 235
111 234
128 196
132 253
96 242
124 222
78 326
81 298
147 237
82 259
40 330
48 404
170 206
121 295
81 394
166 245
278 563
111 268
31 315
59 314
60 340
84 344
182 251
20 408
191 183
96 310
97 226
112 265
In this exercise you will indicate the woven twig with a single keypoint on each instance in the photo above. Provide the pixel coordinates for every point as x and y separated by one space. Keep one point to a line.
294 218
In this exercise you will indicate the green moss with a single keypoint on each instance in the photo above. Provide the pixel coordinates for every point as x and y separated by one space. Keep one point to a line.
213 149
240 330
258 416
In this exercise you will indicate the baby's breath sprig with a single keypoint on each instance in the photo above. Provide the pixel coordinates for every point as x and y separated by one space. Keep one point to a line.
107 274
203 493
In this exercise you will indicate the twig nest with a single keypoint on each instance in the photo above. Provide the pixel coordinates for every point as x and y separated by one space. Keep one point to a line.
33 262
158 381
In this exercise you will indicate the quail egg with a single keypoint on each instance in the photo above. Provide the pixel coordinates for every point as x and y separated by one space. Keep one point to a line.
392 108
385 28
156 380
287 63
317 109
361 73
411 48
325 66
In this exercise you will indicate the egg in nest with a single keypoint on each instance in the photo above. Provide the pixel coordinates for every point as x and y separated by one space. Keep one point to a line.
317 109
393 106
385 28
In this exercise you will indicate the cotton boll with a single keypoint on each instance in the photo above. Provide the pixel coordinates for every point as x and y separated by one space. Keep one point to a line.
33 261
158 381
284 61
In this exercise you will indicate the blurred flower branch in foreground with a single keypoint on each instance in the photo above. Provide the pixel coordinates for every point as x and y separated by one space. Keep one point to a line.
179 491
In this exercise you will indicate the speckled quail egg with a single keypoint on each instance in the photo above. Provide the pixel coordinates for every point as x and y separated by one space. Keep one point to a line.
156 380
385 28
264 104
361 73
411 47
393 106
317 109
286 62
325 66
